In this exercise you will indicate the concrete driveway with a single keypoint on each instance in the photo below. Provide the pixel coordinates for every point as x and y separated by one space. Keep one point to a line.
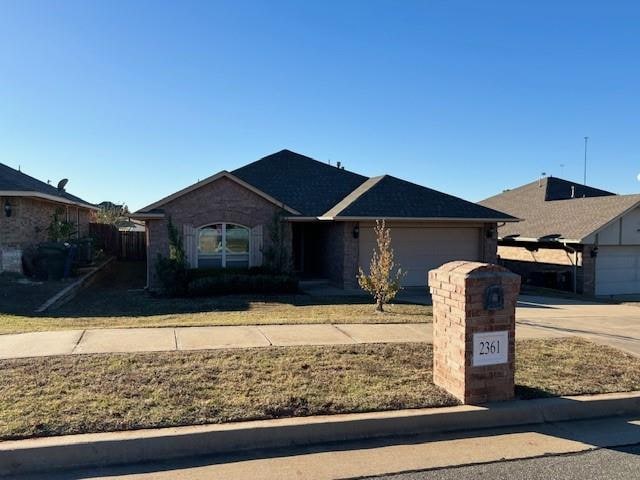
615 325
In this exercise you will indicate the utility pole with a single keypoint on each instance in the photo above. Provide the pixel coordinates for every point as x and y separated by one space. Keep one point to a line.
586 139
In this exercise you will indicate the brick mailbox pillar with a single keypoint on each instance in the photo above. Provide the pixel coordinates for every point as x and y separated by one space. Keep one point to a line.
474 330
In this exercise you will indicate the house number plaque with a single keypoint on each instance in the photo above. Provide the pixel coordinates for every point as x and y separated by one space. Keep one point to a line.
490 348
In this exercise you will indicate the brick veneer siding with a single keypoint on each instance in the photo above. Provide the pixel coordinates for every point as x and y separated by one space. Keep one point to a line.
28 224
587 279
340 254
490 243
458 293
541 255
220 201
543 259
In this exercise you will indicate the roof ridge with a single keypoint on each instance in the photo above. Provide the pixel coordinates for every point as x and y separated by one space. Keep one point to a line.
363 188
305 157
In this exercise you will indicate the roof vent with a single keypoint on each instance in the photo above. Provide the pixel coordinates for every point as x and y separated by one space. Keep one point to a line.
338 165
542 175
62 183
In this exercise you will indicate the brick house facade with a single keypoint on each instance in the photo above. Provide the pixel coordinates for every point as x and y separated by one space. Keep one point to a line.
222 201
328 216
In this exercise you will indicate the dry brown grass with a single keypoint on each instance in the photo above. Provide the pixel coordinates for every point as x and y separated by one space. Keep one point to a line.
92 393
116 300
573 366
234 310
63 395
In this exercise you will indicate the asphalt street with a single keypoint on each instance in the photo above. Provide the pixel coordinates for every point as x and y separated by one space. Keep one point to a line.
620 464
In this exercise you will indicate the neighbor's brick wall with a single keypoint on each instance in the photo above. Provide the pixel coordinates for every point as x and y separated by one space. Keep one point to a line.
28 224
220 201
542 255
525 262
587 279
457 289
490 243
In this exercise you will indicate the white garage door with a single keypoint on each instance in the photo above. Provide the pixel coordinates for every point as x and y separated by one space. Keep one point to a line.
618 270
418 250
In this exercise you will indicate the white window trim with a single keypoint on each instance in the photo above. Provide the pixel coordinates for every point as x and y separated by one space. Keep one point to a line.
224 242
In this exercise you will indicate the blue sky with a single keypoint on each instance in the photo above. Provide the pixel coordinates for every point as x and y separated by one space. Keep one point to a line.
134 100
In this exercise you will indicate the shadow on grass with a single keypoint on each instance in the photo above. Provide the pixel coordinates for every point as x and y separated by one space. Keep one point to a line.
119 291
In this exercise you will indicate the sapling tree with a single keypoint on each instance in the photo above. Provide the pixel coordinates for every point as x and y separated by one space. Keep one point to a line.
382 282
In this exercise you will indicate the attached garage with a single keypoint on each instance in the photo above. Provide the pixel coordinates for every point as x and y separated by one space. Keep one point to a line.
618 270
421 248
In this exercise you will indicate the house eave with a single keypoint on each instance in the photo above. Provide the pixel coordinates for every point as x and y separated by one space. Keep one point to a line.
146 216
46 196
539 240
420 219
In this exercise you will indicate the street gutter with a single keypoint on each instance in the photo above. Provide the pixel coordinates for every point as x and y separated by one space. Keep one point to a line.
116 448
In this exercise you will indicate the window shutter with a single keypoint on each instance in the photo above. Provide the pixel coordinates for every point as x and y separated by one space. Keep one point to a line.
256 247
190 247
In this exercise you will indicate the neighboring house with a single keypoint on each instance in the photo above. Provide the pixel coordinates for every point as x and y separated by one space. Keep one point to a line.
571 236
28 206
329 215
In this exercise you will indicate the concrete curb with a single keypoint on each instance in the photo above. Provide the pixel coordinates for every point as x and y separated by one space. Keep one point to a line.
69 292
104 449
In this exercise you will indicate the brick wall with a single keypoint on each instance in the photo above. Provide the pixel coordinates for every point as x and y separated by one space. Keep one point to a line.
542 255
587 279
220 201
458 293
28 224
490 243
339 251
547 261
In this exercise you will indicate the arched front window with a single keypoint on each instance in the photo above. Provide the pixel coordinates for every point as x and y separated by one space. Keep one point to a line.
223 245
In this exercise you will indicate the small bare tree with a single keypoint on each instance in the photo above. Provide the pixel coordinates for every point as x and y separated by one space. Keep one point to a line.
382 283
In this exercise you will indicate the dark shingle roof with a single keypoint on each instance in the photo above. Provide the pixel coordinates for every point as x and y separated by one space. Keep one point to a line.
559 189
315 189
572 219
392 197
302 183
12 180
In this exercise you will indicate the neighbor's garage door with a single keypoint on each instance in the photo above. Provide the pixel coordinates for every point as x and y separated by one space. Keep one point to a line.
418 249
617 270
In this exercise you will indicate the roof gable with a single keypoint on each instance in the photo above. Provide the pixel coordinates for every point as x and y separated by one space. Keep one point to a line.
307 185
12 180
154 207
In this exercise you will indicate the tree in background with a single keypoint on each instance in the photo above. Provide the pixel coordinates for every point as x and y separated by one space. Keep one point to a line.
111 213
381 283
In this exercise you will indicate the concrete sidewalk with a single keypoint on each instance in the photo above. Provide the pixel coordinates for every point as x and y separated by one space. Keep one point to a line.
121 340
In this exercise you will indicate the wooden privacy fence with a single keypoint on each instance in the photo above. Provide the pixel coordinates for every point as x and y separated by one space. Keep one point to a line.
123 244
133 245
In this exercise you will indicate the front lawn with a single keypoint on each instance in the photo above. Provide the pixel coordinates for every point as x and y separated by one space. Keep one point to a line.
94 393
117 299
